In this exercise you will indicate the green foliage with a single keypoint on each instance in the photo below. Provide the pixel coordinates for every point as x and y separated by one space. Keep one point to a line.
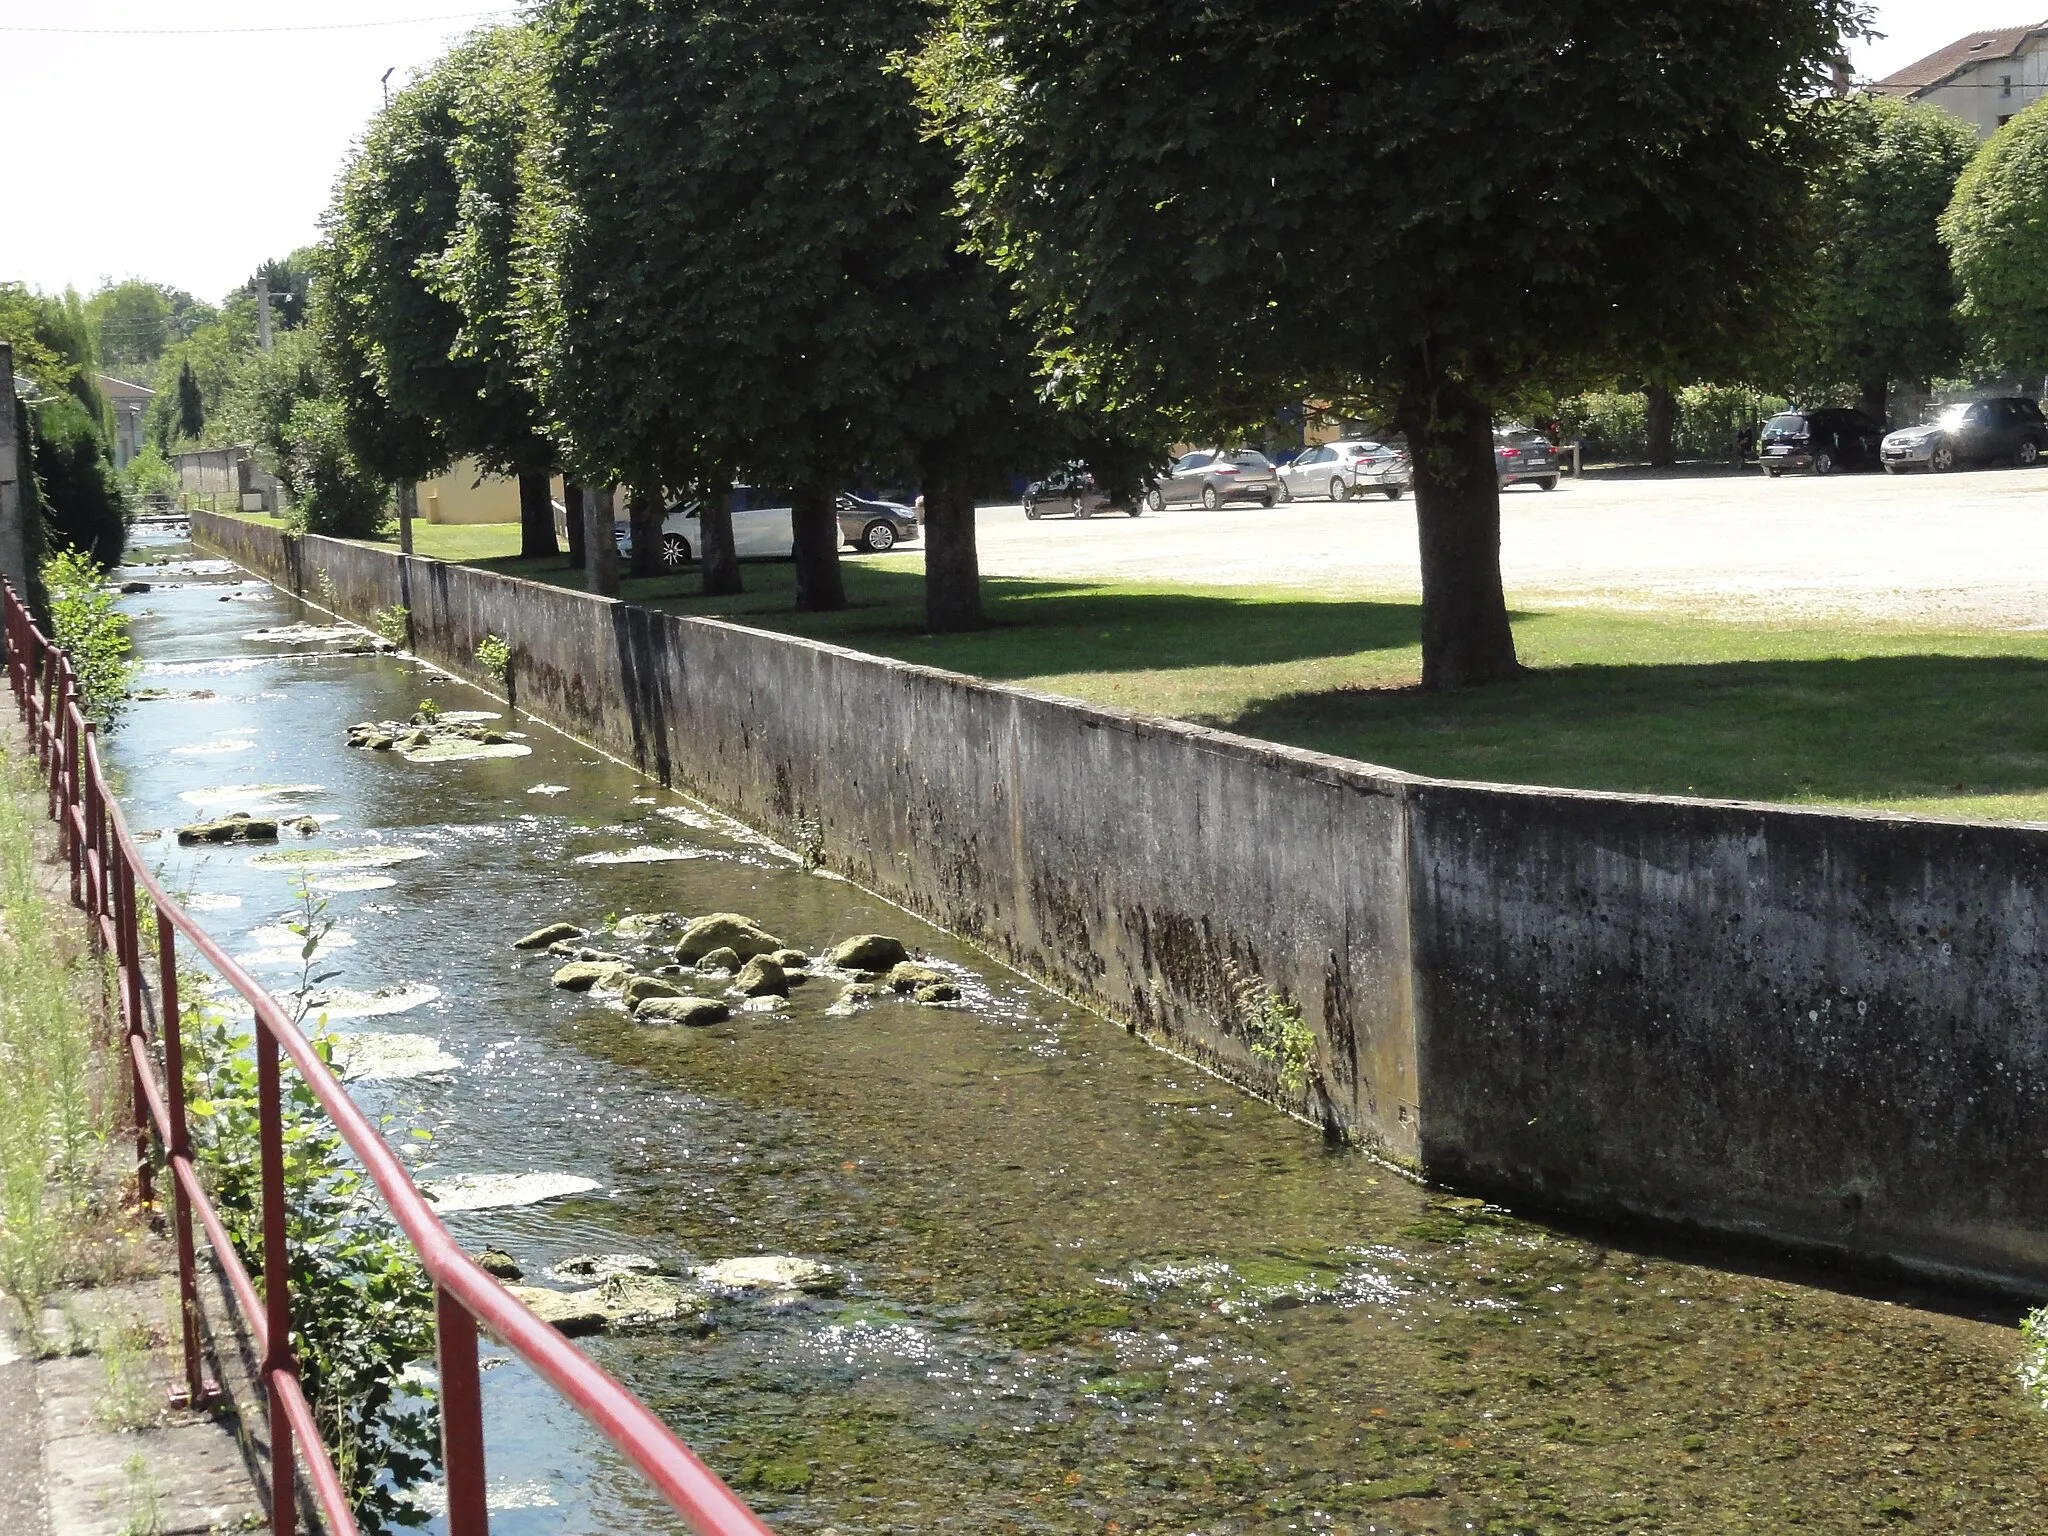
394 624
81 492
132 322
149 473
1274 1029
1996 231
191 404
427 713
85 622
1615 426
331 492
362 1308
1883 295
291 287
2033 1365
495 657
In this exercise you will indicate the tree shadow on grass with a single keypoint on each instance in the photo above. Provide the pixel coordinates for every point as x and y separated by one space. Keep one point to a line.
1862 730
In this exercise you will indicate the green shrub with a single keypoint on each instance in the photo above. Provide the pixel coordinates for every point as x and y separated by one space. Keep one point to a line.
2033 1367
85 622
331 493
494 656
82 496
149 473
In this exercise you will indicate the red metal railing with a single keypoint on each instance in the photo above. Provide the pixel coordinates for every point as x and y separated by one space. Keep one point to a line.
106 870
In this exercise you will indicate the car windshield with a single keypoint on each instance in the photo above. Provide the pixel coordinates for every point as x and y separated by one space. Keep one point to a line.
1953 416
1789 425
1194 461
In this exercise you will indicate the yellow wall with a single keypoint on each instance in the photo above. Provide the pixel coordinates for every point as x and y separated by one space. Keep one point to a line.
461 496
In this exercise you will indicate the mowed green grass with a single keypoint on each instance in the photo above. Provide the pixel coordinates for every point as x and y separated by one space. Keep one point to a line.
1944 722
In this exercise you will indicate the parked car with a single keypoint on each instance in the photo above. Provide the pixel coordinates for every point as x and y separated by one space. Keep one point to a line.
1974 432
763 525
1213 476
1820 441
1341 470
1071 489
1520 454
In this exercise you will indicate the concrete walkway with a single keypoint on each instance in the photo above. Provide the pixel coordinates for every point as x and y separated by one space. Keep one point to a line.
89 1445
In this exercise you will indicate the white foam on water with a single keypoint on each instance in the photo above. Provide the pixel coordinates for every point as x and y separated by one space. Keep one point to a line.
393 1058
469 716
531 1494
642 855
457 749
228 794
342 885
212 748
496 1191
211 901
549 789
368 856
382 1002
305 634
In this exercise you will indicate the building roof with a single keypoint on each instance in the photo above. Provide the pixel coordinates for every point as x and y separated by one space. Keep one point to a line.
1945 64
121 389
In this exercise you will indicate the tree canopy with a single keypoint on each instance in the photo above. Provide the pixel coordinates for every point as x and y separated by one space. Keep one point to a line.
1996 230
1437 203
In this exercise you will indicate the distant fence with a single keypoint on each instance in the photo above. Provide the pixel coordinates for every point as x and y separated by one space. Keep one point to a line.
1819 1030
107 868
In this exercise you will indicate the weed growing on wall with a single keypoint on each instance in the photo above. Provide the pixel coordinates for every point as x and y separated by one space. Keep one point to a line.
1274 1029
2033 1367
330 595
88 625
362 1308
494 656
393 624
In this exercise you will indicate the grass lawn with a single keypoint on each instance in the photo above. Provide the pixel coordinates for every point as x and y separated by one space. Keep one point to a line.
1954 723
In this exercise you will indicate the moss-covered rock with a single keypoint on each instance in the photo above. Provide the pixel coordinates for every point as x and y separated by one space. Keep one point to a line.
725 930
692 1011
642 988
868 952
496 1261
909 976
791 959
761 977
238 828
719 960
583 975
938 992
554 933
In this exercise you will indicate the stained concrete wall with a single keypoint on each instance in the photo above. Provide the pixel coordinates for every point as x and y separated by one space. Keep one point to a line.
1823 1031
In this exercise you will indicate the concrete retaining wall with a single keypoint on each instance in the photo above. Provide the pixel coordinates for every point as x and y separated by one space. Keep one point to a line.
1825 1031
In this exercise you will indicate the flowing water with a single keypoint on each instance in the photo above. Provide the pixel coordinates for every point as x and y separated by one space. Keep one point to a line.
1086 1287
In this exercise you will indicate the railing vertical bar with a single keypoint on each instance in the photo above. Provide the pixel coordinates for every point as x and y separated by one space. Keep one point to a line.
462 1417
197 1390
276 1282
128 972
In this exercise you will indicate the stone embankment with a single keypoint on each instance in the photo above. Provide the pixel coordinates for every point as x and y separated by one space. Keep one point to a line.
1817 1030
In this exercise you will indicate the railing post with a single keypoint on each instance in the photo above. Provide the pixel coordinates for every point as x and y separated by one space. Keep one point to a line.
197 1391
128 972
277 1306
462 1418
74 843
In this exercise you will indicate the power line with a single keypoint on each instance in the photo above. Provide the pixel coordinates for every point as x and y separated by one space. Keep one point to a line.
336 26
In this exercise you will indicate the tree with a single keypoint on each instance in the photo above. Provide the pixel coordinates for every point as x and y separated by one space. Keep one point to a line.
758 270
1435 204
423 378
1996 231
291 287
191 405
1883 304
80 493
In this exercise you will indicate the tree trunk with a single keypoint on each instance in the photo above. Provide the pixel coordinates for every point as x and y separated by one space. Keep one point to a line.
721 560
1466 637
647 511
536 516
815 524
600 545
952 567
408 509
572 521
1874 396
1661 420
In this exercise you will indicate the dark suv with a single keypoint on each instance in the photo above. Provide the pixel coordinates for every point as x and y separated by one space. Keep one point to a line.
1974 432
1820 442
1519 455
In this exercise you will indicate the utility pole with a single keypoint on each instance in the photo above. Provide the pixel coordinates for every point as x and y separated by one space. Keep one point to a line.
13 536
263 311
385 81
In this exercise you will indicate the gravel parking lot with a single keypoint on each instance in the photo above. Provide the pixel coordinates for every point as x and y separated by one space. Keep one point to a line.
1969 549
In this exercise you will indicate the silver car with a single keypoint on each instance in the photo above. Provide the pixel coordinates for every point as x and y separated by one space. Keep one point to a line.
1214 476
1341 470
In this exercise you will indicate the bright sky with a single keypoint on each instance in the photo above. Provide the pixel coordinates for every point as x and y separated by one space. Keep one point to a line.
189 159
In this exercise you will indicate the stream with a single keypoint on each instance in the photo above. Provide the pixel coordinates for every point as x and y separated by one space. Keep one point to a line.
1084 1287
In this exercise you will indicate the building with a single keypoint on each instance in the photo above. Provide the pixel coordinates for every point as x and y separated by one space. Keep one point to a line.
230 477
1983 78
129 403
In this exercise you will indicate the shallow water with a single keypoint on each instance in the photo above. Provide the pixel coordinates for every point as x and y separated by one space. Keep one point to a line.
1089 1289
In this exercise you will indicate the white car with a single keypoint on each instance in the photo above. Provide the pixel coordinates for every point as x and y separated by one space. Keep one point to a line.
1346 469
763 526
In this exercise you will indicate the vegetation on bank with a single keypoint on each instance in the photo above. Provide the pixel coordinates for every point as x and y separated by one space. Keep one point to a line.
86 623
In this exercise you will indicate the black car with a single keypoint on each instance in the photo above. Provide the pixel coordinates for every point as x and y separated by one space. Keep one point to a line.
1072 489
1973 432
1820 441
1520 454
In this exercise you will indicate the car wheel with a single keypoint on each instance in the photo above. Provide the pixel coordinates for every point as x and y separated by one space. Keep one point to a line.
1394 492
1942 460
1823 463
2029 454
1031 510
878 536
1155 500
1286 492
1339 490
1210 500
675 550
1136 508
1770 474
1548 482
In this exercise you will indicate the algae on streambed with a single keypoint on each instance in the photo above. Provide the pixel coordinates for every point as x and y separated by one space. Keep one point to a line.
1089 1289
